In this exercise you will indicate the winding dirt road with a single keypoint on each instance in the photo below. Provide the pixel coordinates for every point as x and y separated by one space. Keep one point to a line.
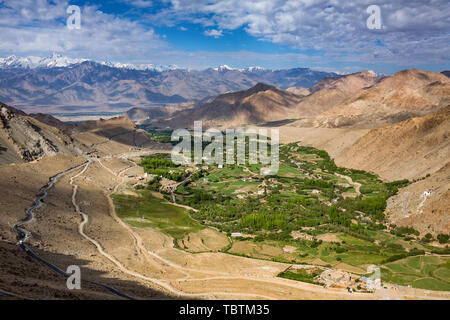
213 275
142 250
25 234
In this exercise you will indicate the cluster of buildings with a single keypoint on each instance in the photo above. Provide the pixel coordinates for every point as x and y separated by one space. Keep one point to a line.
337 278
342 279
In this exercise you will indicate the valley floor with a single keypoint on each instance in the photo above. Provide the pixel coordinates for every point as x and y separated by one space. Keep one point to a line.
78 225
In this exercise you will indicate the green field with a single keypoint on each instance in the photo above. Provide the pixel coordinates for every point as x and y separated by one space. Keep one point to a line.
424 272
303 275
148 211
310 199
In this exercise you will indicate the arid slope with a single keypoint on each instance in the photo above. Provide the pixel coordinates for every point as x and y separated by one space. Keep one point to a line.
425 204
24 138
407 94
260 103
409 149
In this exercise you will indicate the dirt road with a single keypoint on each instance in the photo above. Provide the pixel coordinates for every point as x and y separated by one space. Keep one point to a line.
356 185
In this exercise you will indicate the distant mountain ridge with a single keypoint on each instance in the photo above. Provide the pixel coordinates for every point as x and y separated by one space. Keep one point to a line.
61 84
356 100
260 103
57 60
31 62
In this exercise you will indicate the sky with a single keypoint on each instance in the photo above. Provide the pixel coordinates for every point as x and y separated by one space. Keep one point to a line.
330 35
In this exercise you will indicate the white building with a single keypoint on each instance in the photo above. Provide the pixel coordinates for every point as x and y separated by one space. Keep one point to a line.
236 234
370 284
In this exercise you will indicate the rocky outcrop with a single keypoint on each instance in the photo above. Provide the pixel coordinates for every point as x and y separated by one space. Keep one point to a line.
409 149
23 138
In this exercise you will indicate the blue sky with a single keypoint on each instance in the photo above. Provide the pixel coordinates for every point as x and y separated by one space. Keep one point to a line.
322 34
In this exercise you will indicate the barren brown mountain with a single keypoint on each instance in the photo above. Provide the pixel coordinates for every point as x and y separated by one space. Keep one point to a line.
331 92
264 103
407 94
300 91
350 83
424 205
24 138
53 122
409 149
260 103
140 115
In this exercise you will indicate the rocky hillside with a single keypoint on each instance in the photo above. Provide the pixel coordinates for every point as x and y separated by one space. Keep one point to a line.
331 92
424 205
409 149
349 83
360 100
260 103
407 94
65 127
148 114
24 138
300 91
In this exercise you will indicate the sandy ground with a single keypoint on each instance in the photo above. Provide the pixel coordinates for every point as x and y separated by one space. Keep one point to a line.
204 240
334 141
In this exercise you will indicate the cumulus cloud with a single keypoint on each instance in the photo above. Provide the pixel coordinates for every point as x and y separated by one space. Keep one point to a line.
139 3
213 33
37 26
411 29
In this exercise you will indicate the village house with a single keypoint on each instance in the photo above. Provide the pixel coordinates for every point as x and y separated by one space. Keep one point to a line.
370 284
337 278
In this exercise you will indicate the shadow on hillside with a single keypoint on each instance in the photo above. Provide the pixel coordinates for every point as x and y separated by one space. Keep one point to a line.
23 276
278 123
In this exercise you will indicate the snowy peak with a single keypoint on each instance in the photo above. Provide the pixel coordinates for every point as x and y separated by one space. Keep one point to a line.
31 62
142 67
224 68
18 62
59 61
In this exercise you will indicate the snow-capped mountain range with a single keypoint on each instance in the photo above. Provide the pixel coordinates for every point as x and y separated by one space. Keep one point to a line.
59 61
31 62
225 68
34 83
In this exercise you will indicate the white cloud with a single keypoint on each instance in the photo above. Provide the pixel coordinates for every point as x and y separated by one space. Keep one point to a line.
139 3
412 29
39 27
213 33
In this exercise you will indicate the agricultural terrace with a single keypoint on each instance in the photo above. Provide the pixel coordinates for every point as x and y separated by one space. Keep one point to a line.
311 212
